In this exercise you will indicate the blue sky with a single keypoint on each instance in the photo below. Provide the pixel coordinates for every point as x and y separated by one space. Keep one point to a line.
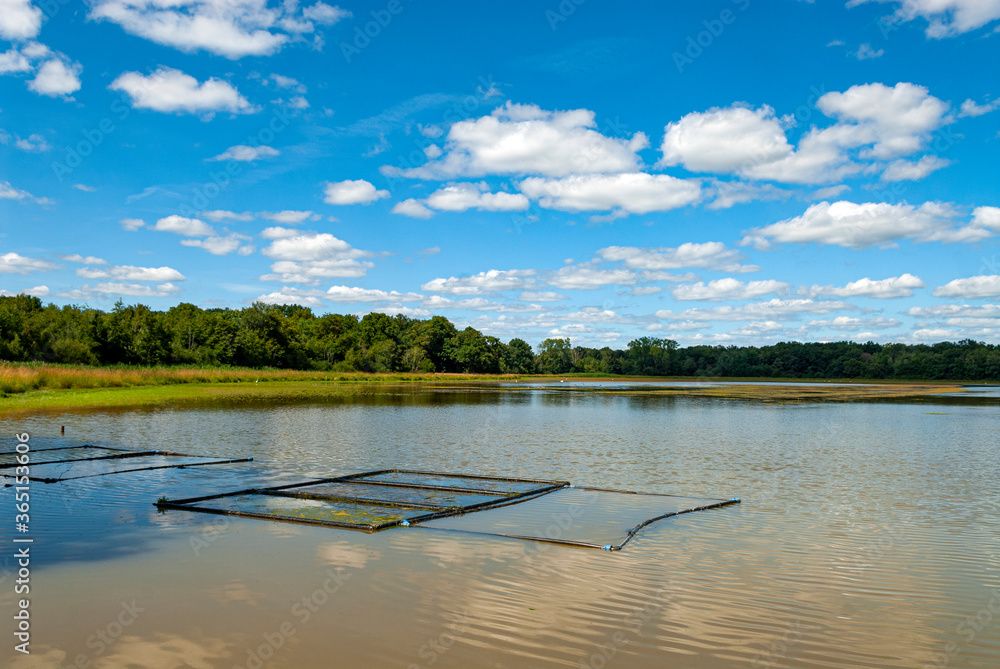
725 172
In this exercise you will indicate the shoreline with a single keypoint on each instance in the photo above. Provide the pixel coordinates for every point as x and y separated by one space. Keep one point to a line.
186 389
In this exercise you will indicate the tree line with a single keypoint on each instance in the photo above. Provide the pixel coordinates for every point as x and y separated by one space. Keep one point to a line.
293 337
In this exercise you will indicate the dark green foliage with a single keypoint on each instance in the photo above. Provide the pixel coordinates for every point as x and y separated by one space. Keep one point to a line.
292 337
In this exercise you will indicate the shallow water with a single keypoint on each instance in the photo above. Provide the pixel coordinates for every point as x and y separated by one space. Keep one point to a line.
867 537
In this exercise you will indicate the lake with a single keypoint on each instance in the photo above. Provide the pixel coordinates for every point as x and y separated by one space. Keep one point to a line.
867 536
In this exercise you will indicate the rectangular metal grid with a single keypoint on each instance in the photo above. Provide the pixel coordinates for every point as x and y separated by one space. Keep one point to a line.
371 501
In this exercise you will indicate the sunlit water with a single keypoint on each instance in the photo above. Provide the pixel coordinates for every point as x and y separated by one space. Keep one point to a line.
867 537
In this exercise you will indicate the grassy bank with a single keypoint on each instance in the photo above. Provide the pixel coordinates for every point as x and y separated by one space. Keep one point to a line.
33 387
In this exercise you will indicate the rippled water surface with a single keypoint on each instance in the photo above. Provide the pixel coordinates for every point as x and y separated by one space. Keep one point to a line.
867 537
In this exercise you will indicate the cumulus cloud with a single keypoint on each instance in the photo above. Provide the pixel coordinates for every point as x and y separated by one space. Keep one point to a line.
774 310
169 90
525 139
219 215
412 208
289 216
708 255
357 191
19 20
9 192
873 122
246 154
974 287
230 28
189 227
897 286
970 108
132 224
308 257
848 323
633 193
33 143
221 246
84 260
56 78
588 277
728 289
37 291
491 281
13 263
464 196
908 170
293 296
869 224
353 294
945 18
131 273
986 217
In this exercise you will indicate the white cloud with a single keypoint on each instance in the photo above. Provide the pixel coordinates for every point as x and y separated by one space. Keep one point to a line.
84 260
219 215
37 291
278 232
586 277
289 216
13 60
869 224
230 28
132 224
728 289
901 118
189 227
244 153
729 193
956 311
491 281
709 255
848 323
19 20
9 192
897 286
724 140
352 294
880 122
85 188
56 78
33 143
975 287
282 81
309 257
945 18
289 295
170 90
986 217
220 246
134 289
131 273
412 208
775 310
357 191
464 196
541 296
906 170
13 263
867 52
524 139
970 108
635 193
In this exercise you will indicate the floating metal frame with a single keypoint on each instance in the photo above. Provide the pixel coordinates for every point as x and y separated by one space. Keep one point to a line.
541 487
119 454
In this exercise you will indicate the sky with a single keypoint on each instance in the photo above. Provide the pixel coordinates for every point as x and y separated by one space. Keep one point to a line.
726 172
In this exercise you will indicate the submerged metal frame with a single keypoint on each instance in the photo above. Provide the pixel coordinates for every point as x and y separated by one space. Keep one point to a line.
542 487
119 454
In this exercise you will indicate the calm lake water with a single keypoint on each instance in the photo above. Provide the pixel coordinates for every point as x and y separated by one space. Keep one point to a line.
867 537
